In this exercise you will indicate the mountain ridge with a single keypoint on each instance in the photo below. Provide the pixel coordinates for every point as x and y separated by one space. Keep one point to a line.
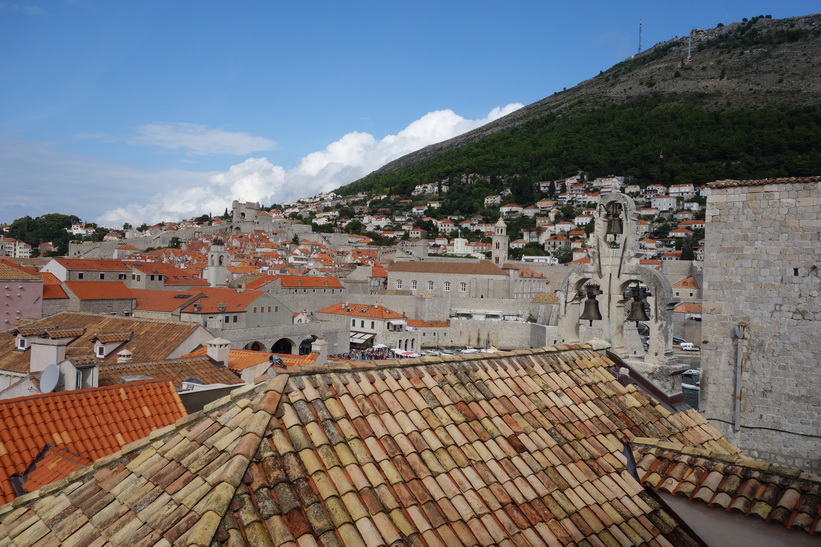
760 63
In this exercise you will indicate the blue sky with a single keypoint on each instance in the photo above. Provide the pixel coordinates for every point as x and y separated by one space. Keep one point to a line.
143 111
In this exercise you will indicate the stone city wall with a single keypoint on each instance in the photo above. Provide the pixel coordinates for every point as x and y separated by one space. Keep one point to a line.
761 296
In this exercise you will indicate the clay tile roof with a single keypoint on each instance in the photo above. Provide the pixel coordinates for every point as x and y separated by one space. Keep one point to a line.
178 370
81 426
153 340
786 496
11 272
687 283
509 448
99 290
108 337
688 307
361 310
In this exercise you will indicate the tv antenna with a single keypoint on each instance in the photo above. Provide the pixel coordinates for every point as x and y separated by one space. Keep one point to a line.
640 23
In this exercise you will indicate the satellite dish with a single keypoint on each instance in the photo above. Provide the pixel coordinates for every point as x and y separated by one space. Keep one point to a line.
49 378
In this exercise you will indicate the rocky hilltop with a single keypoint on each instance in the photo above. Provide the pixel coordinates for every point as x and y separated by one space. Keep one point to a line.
760 63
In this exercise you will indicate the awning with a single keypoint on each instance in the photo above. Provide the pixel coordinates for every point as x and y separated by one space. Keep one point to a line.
360 337
396 323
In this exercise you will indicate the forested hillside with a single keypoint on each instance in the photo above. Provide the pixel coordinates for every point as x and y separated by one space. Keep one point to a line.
737 102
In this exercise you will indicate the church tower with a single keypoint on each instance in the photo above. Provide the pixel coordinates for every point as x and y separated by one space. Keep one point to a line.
499 243
217 270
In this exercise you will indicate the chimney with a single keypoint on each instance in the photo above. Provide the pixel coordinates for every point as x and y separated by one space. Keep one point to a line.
124 356
320 347
221 307
219 350
197 307
45 352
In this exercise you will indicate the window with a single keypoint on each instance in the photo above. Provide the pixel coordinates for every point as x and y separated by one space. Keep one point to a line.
255 309
235 319
84 378
353 322
21 344
227 318
447 285
398 283
269 309
121 276
101 351
362 323
430 285
413 284
102 276
373 324
463 287
80 275
276 308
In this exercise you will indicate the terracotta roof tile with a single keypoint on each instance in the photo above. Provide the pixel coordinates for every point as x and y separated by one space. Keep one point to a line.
30 452
731 481
483 451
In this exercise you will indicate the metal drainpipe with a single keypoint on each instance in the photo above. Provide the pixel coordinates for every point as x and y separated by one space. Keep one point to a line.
739 332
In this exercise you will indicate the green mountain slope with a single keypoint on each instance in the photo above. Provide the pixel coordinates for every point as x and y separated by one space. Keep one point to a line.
744 104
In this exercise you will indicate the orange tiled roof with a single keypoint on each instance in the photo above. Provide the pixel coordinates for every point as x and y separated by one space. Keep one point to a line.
767 491
89 423
688 307
234 301
418 323
687 283
361 310
163 300
510 448
172 274
240 359
99 290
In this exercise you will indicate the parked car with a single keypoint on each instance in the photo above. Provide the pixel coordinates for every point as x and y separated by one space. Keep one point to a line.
688 346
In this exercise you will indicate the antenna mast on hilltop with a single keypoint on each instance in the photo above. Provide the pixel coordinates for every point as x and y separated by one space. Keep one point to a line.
639 36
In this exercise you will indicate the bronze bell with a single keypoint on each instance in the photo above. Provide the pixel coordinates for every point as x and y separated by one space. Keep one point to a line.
637 307
591 306
637 312
614 224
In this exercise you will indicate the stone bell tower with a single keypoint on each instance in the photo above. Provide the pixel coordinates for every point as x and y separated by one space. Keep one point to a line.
500 242
634 302
217 269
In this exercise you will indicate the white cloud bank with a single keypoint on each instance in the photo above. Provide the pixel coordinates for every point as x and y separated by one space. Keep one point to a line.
199 140
257 179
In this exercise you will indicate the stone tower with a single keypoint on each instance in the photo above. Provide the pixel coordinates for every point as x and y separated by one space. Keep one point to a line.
614 269
500 243
217 270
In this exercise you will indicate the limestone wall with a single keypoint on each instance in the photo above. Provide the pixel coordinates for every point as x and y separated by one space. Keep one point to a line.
762 255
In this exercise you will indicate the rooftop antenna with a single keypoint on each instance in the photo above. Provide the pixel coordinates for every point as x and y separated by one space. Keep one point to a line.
640 23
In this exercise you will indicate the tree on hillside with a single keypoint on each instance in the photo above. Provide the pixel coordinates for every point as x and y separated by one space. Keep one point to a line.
52 228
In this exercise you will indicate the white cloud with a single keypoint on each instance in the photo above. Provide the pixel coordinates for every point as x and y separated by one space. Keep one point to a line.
199 140
341 162
48 180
